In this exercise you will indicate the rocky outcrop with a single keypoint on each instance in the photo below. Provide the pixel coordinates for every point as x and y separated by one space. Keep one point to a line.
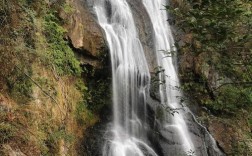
85 35
228 135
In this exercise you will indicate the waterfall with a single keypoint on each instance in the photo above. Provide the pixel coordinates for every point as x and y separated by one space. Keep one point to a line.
177 133
169 94
174 126
131 80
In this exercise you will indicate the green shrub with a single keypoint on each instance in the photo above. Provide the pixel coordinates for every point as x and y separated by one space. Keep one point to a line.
231 98
19 85
67 8
7 131
101 94
220 39
83 115
51 144
59 54
81 86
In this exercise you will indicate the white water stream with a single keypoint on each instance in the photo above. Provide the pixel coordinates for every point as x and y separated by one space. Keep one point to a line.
127 135
130 80
169 94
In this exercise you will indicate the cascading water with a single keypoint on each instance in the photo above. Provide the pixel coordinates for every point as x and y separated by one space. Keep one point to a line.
127 135
197 141
164 41
130 80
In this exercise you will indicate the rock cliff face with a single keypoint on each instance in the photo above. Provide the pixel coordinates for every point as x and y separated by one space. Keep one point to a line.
195 70
230 137
42 109
89 42
85 35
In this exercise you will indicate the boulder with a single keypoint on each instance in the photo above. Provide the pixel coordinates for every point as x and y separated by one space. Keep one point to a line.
84 33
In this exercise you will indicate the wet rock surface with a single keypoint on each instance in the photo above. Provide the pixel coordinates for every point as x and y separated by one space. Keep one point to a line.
145 31
171 143
95 136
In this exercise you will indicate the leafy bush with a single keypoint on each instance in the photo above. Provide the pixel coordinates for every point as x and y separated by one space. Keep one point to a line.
221 39
7 131
101 94
81 87
60 54
52 141
83 115
232 98
67 8
19 84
